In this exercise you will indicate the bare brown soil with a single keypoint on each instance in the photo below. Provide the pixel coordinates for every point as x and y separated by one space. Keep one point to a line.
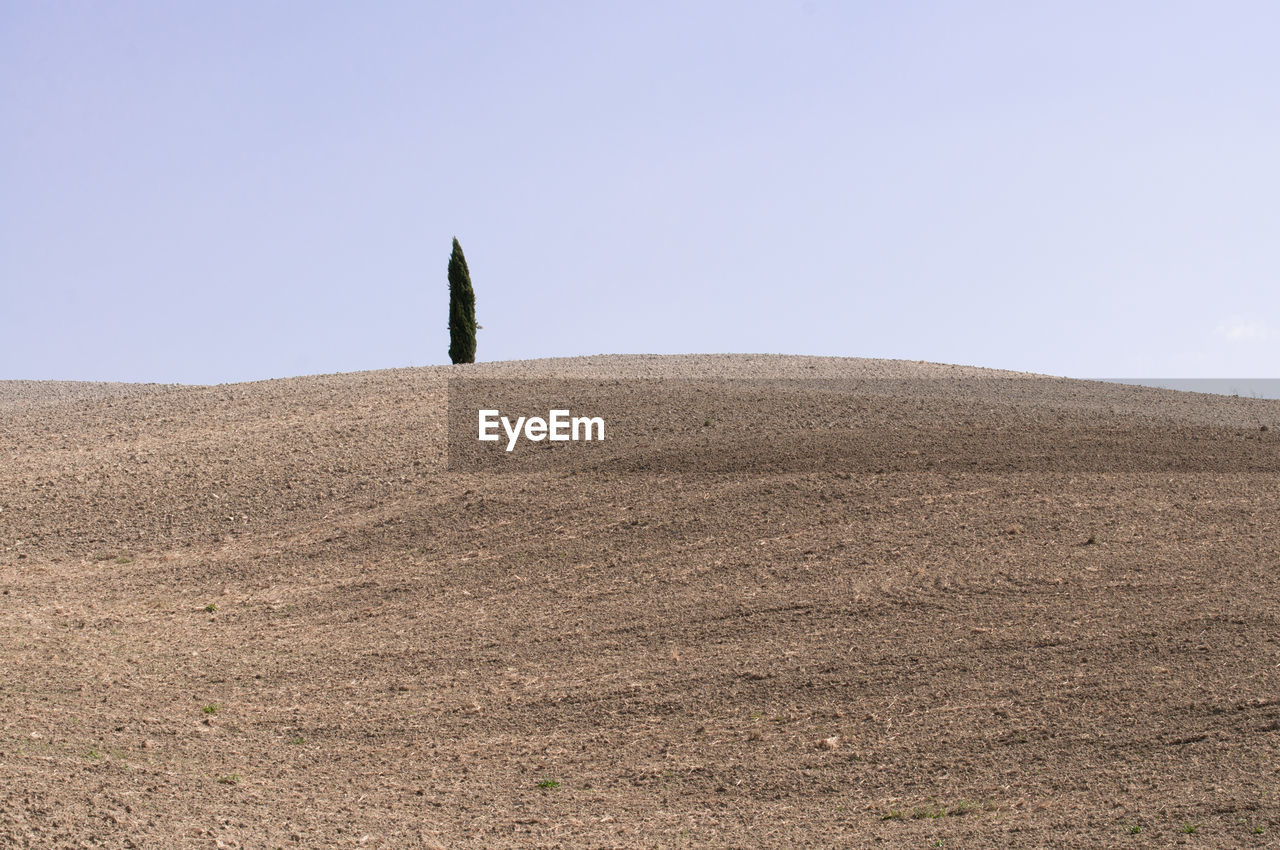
850 603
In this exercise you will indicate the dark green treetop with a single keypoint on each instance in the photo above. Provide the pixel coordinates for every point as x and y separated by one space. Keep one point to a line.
462 309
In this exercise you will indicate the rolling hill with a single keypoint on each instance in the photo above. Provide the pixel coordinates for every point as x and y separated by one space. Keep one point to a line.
787 601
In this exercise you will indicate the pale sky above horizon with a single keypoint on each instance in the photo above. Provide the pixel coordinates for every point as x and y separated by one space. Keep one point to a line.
202 193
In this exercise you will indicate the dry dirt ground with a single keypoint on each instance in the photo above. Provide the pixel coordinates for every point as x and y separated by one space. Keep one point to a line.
804 602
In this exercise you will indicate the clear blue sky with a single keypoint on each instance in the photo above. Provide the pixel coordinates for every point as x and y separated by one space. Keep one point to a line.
207 192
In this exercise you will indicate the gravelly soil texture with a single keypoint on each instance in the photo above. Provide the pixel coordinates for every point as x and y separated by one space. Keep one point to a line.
820 603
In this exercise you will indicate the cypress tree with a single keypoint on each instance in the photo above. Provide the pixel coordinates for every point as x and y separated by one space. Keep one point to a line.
462 309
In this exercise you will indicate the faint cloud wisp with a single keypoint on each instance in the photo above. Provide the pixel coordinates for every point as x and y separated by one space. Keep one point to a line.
1241 330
